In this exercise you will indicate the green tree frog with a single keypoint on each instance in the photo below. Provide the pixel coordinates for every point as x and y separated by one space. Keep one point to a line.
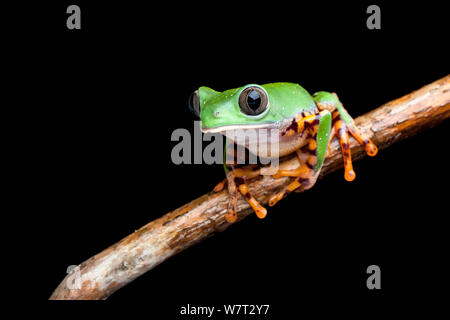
305 124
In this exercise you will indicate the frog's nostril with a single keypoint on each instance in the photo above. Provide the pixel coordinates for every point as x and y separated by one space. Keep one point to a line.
216 114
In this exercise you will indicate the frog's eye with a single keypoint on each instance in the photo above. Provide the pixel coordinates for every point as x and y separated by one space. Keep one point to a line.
194 104
253 101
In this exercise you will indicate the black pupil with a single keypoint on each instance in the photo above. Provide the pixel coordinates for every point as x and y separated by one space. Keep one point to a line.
254 100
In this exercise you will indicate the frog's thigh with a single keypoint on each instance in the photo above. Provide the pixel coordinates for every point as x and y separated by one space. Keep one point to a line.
315 151
319 136
245 172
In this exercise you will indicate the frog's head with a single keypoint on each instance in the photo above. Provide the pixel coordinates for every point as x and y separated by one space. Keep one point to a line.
245 107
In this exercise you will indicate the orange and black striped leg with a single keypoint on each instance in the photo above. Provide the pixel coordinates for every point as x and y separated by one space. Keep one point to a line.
236 181
221 185
300 123
343 125
311 156
342 135
260 211
304 174
294 172
343 129
303 178
369 146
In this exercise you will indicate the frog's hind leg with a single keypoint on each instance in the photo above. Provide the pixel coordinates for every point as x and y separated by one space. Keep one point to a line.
343 127
311 157
236 182
302 178
221 185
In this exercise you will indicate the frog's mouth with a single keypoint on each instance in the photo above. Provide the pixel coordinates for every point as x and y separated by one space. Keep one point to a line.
223 129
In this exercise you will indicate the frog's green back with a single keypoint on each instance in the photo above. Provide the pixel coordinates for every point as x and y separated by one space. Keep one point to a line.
286 100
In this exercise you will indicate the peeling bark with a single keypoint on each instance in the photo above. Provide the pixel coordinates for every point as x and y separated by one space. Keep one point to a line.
113 268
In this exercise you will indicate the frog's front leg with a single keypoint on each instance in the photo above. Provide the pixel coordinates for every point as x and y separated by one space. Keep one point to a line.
311 156
236 182
343 125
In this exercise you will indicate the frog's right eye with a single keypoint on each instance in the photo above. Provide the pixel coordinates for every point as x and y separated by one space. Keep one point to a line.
253 101
194 104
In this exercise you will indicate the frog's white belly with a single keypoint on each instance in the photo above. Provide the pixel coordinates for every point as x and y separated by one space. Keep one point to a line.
291 144
268 142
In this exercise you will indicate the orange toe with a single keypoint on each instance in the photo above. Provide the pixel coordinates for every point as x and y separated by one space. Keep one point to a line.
371 149
231 216
349 175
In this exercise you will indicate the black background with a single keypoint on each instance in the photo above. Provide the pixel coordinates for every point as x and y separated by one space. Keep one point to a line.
108 97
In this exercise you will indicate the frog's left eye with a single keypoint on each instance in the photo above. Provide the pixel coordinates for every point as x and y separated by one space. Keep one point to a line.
253 101
194 104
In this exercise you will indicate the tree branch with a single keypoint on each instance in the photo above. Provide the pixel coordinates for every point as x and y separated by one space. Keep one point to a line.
113 268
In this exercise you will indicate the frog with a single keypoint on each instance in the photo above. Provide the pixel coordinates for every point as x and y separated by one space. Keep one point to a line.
305 125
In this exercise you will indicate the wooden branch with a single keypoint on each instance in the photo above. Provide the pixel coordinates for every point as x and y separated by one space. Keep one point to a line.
108 271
